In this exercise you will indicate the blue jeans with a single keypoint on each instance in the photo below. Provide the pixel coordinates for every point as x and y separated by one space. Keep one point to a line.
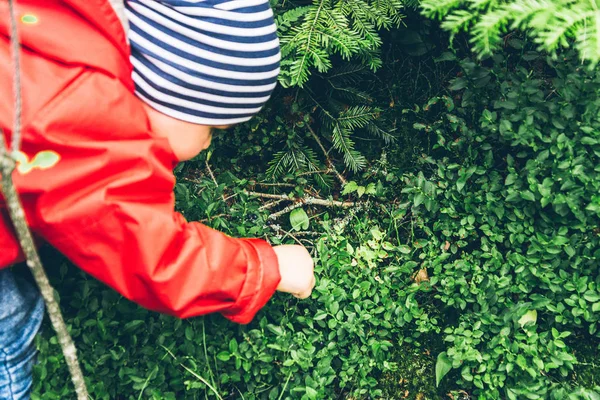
21 314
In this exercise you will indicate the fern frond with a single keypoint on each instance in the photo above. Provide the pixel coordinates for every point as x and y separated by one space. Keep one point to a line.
439 8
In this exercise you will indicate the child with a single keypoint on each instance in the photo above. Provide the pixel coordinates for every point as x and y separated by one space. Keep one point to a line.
115 124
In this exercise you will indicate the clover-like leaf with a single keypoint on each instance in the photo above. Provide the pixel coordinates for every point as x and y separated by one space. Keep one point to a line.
299 219
45 159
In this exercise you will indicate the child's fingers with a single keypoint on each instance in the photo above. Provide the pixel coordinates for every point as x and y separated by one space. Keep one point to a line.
306 294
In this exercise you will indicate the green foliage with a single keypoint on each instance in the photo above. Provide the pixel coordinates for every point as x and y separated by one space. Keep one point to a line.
299 219
508 212
340 40
471 262
311 35
551 23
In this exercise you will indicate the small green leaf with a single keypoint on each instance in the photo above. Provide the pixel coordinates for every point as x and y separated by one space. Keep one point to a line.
371 188
311 393
442 367
350 187
360 191
224 356
404 249
592 297
320 315
527 195
233 346
45 159
461 182
299 219
529 316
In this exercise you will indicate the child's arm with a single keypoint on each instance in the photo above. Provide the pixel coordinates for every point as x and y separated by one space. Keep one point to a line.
108 206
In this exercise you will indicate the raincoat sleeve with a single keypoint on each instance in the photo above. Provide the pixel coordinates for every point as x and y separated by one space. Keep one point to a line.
108 206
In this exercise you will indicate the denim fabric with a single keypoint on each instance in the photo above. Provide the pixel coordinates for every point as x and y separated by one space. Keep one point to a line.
21 314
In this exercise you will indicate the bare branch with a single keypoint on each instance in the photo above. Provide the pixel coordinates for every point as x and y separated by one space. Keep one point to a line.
313 201
330 164
285 210
270 204
17 216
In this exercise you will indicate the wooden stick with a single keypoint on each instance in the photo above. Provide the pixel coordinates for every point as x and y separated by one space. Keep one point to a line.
314 201
17 216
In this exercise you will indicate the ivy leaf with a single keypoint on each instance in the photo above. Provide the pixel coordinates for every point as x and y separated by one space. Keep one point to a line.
350 187
299 219
442 367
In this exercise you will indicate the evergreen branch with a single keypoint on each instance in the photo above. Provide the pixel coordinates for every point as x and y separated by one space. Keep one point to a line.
551 23
299 77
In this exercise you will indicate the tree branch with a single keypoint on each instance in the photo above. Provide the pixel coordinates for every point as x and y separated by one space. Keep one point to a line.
330 164
313 201
285 211
17 216
34 263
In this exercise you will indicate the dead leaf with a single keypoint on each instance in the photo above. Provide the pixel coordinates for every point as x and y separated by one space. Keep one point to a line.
446 245
421 276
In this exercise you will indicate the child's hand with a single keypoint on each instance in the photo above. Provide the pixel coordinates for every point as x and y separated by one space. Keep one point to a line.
296 267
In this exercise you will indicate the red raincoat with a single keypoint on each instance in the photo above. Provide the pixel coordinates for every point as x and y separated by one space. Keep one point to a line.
108 203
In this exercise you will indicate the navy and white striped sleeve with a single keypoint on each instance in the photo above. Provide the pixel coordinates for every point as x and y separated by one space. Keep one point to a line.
210 62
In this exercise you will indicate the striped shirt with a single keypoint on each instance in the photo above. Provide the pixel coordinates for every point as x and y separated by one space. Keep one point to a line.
210 62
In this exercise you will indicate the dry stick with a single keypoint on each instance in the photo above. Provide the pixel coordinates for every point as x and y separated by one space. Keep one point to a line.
330 164
17 215
213 178
313 201
274 184
34 263
285 210
270 204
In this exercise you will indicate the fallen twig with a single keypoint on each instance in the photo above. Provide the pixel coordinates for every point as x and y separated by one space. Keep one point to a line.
270 204
214 179
273 184
213 217
285 211
314 201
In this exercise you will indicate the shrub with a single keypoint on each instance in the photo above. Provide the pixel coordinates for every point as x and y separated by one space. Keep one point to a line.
469 260
507 207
